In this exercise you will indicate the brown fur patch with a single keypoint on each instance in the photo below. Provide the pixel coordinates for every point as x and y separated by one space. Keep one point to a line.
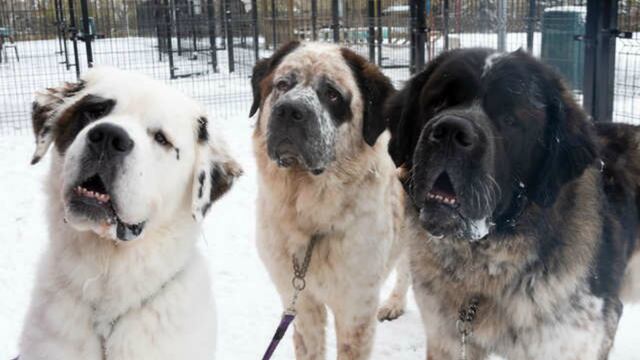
262 70
375 88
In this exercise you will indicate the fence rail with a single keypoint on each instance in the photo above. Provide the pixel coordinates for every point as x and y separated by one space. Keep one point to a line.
207 48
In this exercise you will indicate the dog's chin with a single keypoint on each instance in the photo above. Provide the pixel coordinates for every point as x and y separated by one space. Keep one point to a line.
89 207
440 220
444 221
296 161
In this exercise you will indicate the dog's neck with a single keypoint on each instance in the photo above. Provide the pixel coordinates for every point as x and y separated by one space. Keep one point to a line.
98 270
311 202
492 261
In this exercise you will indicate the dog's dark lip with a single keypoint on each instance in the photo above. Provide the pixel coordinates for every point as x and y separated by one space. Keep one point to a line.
287 156
93 193
442 191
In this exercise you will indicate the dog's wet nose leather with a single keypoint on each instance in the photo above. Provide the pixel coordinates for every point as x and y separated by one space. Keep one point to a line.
455 131
293 111
110 140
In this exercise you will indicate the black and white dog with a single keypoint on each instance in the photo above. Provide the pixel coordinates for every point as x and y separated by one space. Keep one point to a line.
525 214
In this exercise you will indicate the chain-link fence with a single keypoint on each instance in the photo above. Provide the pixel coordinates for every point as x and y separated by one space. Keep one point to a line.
207 48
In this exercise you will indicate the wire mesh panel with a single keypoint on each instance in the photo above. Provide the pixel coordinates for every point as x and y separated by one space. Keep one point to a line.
626 106
32 55
207 48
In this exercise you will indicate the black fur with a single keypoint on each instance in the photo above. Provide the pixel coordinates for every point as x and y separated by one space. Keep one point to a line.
203 133
537 136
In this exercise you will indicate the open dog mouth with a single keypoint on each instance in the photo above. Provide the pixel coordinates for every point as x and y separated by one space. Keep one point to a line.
443 191
443 213
92 198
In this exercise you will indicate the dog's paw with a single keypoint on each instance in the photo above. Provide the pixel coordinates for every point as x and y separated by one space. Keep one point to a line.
391 310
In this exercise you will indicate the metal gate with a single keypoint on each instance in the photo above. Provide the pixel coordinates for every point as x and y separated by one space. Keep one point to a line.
207 48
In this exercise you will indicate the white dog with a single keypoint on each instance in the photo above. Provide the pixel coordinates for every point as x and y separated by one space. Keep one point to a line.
134 171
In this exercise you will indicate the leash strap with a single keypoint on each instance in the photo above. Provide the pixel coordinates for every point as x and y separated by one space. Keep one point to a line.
286 320
298 283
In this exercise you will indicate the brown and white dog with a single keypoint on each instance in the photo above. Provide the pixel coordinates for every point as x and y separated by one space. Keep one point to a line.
524 214
135 166
324 171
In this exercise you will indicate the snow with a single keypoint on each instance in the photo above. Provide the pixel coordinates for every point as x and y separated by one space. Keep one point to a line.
568 8
248 306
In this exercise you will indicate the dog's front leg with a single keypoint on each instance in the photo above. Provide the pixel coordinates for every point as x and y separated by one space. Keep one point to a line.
356 324
309 328
395 305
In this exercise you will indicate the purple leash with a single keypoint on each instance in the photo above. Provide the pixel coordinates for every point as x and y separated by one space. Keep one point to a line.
286 320
298 282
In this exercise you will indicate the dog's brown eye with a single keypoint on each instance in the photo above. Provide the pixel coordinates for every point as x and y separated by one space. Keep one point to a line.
283 85
161 139
333 95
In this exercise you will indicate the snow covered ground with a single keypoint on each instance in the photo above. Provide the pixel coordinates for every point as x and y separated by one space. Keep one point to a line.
248 306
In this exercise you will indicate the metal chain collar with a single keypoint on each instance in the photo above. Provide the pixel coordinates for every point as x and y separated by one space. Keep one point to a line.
466 317
299 273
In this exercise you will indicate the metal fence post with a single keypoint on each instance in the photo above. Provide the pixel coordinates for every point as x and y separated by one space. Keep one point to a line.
223 23
335 20
314 19
531 24
590 47
502 25
84 8
412 36
274 34
371 33
379 25
175 10
169 21
73 30
211 13
421 28
229 26
445 24
600 50
256 31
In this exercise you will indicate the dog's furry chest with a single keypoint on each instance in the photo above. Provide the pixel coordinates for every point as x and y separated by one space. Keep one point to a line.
359 234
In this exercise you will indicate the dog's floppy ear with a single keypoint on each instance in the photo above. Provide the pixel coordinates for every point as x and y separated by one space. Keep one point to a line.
215 171
263 68
569 145
46 109
402 116
375 88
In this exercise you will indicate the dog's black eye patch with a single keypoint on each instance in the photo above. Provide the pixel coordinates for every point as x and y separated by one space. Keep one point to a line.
338 102
85 111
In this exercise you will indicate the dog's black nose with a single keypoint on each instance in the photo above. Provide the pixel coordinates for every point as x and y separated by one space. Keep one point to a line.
292 111
110 139
454 130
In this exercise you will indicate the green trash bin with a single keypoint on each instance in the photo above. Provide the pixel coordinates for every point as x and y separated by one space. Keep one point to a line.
562 29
